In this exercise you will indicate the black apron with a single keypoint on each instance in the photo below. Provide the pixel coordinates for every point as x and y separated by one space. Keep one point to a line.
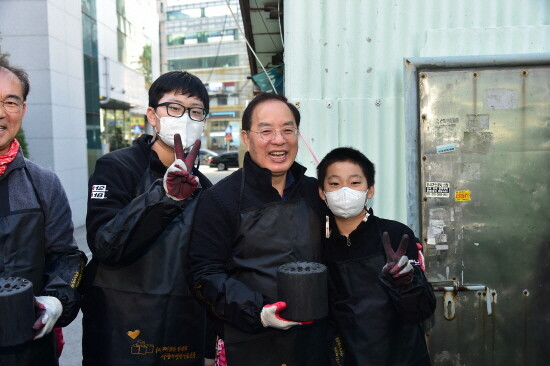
145 313
22 254
372 331
269 236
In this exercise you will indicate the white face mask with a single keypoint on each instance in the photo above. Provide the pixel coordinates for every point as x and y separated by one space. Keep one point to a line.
189 130
346 202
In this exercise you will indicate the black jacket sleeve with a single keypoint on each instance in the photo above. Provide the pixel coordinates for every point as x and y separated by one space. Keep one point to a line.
209 252
62 274
414 302
121 226
63 261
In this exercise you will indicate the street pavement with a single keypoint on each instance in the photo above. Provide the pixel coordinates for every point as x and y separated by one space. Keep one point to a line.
72 352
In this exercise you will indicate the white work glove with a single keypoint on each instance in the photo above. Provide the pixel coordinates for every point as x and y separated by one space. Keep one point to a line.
49 309
270 317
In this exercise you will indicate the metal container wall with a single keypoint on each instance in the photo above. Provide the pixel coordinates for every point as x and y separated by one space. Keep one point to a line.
344 68
343 65
485 208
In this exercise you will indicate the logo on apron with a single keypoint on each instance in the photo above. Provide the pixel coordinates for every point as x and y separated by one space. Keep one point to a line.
143 348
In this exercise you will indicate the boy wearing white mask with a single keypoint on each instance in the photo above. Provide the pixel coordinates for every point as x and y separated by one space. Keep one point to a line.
137 307
378 292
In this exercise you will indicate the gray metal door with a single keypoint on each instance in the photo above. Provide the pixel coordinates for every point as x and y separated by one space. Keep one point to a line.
484 157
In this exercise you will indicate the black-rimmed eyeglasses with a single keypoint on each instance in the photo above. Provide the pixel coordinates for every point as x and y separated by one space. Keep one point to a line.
12 105
177 110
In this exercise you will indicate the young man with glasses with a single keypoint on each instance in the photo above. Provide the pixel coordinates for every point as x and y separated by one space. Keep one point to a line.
262 216
137 307
36 241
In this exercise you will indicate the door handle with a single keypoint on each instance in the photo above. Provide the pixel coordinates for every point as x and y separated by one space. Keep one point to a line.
451 289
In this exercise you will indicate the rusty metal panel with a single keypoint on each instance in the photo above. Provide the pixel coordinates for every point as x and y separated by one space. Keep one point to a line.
484 144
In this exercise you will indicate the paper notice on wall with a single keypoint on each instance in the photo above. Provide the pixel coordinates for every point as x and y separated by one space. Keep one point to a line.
498 99
438 189
463 196
446 121
438 213
477 122
436 232
443 149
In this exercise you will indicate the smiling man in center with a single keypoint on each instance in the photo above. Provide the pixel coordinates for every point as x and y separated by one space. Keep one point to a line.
262 216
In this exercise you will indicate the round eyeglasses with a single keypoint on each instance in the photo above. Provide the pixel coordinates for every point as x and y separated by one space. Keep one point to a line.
269 134
177 110
12 105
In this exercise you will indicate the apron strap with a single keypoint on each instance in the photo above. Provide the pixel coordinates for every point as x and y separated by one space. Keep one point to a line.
28 173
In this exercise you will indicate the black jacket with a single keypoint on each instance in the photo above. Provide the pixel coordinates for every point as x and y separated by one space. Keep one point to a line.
215 232
114 237
137 306
380 323
37 243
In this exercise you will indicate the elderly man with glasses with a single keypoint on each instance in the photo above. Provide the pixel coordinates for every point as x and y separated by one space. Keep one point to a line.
36 241
138 309
262 216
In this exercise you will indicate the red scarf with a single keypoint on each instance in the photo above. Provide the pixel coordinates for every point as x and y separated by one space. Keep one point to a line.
10 155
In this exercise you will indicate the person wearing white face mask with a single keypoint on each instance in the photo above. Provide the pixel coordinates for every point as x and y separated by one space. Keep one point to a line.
189 125
378 293
137 307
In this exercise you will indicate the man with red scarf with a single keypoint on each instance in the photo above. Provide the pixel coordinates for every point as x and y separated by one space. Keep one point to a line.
36 232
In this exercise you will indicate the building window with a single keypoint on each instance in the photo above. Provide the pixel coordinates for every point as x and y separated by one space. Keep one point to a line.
89 8
217 11
203 62
89 35
121 45
123 30
176 39
216 36
183 14
121 6
222 99
221 36
91 82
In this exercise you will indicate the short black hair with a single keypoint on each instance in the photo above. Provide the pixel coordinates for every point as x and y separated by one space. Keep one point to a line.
178 82
260 98
346 154
20 73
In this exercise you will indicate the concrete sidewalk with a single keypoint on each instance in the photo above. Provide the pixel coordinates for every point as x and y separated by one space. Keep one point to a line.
80 236
72 352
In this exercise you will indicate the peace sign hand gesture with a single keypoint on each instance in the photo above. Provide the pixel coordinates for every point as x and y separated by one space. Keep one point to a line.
398 271
179 183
